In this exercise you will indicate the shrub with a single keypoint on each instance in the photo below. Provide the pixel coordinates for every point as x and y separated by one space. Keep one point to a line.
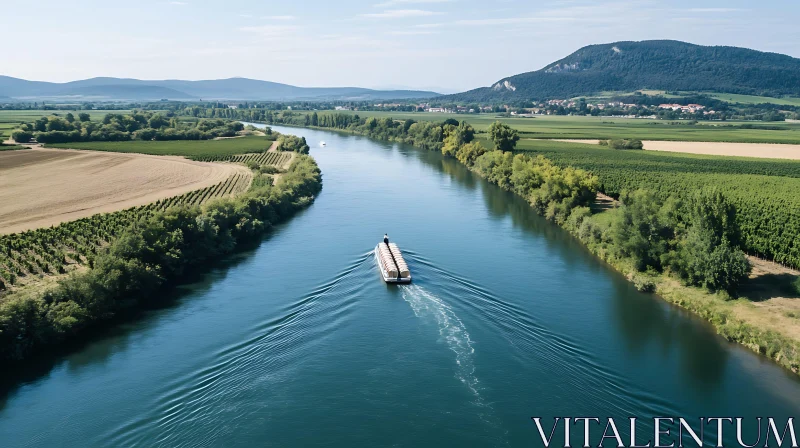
22 136
269 169
622 144
644 283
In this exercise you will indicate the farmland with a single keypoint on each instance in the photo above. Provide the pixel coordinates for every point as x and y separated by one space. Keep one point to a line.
759 150
201 150
751 99
31 255
42 187
575 127
763 191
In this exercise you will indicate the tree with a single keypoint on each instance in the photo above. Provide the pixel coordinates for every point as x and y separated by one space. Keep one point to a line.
469 152
455 137
22 136
504 138
642 232
84 117
69 117
709 254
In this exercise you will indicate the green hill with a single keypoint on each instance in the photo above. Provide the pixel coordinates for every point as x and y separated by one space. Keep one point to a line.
657 65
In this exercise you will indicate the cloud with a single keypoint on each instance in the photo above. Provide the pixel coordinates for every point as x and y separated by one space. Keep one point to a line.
512 20
269 30
407 2
278 17
429 25
400 14
714 10
412 33
178 3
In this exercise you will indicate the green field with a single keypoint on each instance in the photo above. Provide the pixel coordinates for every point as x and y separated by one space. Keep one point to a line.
26 116
193 149
579 127
751 99
765 192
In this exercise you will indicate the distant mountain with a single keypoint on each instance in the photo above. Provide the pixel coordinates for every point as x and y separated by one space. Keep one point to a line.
218 89
655 64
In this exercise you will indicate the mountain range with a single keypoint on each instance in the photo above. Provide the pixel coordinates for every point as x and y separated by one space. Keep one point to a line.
108 89
649 65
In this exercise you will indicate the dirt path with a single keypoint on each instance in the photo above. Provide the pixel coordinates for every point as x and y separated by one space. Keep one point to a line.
41 187
759 150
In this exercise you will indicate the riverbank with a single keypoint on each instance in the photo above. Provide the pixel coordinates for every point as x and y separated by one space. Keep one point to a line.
154 251
768 338
760 329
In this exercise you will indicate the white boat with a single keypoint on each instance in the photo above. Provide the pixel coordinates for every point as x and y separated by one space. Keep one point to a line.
321 143
391 263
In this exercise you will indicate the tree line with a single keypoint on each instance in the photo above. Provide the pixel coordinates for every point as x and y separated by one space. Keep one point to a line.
137 125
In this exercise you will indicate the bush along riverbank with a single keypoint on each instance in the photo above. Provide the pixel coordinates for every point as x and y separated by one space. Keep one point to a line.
147 256
688 250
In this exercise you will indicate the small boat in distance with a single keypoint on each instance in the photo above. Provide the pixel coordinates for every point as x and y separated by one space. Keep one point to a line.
391 263
321 143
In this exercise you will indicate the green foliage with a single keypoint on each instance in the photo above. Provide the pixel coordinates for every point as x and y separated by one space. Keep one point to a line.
763 192
659 65
503 137
151 251
456 136
644 283
622 144
643 230
709 254
138 125
293 143
698 239
22 136
469 153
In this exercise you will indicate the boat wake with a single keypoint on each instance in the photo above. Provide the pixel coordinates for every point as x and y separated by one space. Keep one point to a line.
451 329
453 332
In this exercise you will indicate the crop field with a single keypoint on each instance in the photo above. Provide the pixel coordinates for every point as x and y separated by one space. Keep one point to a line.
31 255
26 116
765 192
567 127
274 158
201 150
42 187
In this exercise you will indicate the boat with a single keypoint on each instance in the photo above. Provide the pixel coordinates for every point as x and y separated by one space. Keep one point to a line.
391 263
321 143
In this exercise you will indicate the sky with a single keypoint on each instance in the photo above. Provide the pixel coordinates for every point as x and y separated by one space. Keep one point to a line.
441 45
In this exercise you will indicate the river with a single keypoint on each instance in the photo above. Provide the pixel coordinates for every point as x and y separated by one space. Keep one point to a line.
298 342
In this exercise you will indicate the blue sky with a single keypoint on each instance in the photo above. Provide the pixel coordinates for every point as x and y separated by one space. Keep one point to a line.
446 45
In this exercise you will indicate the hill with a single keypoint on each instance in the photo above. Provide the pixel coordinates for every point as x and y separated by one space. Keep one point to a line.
218 89
657 65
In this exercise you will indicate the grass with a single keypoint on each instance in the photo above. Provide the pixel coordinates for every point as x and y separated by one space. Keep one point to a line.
193 149
751 99
11 147
579 127
15 117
